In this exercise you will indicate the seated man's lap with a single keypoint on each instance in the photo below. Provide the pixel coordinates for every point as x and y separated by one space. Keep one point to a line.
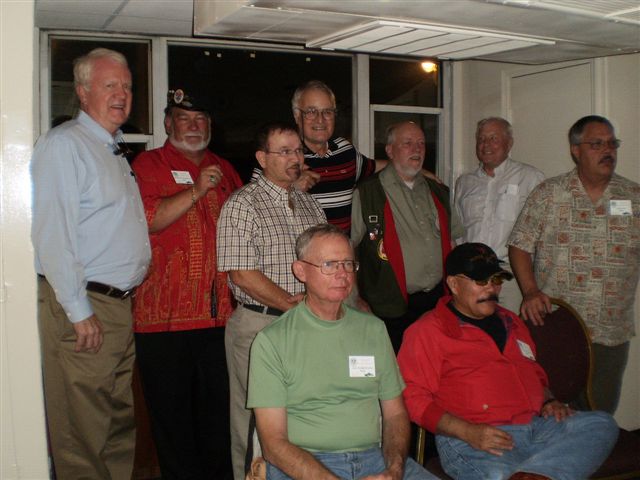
539 447
354 465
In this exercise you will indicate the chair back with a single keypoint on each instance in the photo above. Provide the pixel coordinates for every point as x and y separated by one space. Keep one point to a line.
564 351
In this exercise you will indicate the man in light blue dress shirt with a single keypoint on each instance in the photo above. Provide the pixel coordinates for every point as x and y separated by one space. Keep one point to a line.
91 249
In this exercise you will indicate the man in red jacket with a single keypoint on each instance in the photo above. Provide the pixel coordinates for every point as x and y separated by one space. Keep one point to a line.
472 379
182 307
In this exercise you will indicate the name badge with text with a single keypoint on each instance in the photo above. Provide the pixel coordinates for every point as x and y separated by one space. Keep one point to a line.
182 177
525 350
362 366
620 207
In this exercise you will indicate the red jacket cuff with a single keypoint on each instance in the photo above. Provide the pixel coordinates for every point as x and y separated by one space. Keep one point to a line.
431 417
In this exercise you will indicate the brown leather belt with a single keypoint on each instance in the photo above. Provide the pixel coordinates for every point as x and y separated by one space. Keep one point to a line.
108 290
264 310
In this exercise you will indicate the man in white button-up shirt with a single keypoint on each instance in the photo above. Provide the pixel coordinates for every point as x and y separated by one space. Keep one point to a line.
490 198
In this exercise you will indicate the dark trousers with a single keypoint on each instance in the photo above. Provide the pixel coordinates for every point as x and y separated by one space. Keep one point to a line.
185 383
418 303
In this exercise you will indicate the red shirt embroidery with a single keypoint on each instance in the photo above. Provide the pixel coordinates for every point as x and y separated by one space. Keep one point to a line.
176 295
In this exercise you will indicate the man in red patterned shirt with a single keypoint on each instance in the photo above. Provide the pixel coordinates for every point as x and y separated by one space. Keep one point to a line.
181 308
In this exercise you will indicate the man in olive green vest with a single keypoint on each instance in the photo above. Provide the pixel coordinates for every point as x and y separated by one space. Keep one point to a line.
403 227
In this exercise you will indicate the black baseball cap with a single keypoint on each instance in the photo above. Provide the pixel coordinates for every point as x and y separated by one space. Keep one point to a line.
475 260
178 98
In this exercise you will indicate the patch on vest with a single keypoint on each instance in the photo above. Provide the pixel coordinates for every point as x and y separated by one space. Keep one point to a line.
381 253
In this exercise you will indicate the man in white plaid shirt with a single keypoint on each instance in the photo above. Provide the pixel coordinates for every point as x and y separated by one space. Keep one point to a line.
257 231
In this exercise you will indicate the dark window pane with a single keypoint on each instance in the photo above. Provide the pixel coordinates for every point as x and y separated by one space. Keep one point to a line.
246 88
427 122
64 103
403 82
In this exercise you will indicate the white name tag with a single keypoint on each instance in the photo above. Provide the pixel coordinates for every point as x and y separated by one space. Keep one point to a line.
525 350
512 189
362 366
620 207
182 177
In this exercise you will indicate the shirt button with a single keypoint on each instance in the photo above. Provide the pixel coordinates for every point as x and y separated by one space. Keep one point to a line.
485 407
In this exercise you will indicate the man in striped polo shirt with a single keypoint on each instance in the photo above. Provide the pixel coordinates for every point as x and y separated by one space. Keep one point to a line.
333 165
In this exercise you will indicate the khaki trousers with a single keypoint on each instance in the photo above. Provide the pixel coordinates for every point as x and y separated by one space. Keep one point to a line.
89 401
241 329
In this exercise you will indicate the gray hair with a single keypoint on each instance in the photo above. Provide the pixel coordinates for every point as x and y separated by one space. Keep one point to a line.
320 230
83 66
311 85
577 129
505 123
390 133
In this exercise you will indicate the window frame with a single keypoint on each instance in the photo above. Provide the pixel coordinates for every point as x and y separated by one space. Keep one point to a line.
363 112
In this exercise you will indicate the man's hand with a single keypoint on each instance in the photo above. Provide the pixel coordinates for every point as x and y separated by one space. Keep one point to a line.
293 300
89 335
556 409
488 439
308 178
535 305
209 177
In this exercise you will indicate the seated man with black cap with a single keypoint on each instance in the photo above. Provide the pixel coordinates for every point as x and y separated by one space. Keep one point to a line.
472 379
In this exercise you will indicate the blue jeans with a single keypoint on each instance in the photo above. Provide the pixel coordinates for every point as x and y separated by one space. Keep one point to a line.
567 450
354 465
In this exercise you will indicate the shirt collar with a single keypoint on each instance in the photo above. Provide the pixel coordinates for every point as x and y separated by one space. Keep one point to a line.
331 146
273 190
418 180
498 171
98 130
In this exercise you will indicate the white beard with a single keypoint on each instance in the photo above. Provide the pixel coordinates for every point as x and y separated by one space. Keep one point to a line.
190 147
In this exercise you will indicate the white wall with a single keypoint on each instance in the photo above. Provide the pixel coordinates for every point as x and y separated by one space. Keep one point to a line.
23 453
612 85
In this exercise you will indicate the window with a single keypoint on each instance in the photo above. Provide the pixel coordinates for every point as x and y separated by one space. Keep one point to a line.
246 88
402 90
63 100
404 82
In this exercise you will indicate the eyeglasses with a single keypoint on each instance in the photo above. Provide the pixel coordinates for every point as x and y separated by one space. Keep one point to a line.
330 267
287 152
312 113
496 279
598 145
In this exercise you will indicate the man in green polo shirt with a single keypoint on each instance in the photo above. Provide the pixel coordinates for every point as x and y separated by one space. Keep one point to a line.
323 378
402 226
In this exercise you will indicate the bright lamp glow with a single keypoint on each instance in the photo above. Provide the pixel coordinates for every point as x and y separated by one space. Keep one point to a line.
429 67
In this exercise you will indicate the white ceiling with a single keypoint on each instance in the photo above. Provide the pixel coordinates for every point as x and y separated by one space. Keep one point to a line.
568 29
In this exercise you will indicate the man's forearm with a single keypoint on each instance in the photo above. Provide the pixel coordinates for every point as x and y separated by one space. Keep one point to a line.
522 265
257 285
172 208
452 426
396 433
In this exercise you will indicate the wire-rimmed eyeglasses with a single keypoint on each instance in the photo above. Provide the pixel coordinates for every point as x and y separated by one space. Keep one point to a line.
598 145
330 267
312 113
286 152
